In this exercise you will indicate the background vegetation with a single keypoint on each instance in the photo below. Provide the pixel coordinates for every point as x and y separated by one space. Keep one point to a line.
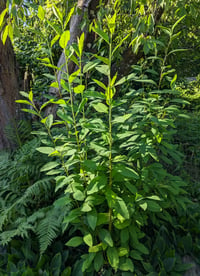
104 176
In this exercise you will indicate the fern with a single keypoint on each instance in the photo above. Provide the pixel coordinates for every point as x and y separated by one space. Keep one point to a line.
21 231
48 229
22 167
27 199
18 132
40 188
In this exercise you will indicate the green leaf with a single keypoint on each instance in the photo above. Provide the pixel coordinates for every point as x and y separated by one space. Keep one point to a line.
10 32
64 85
130 187
111 198
101 84
5 34
90 165
103 218
49 166
98 261
69 15
109 94
92 219
145 81
94 94
106 237
56 264
121 119
96 184
103 59
154 197
104 69
2 15
72 215
112 83
75 241
49 76
79 89
101 34
81 43
23 102
113 257
111 23
127 265
89 65
61 114
100 107
140 247
126 78
64 39
165 30
96 248
88 261
62 201
30 96
126 171
49 121
74 75
79 195
41 13
24 94
124 236
153 206
136 255
46 150
177 22
55 27
88 239
58 14
177 50
123 251
121 208
53 41
143 206
66 271
30 111
86 207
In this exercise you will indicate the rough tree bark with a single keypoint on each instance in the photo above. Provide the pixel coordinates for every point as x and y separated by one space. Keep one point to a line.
8 87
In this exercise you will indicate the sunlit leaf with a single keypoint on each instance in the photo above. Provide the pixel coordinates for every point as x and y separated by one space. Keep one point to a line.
64 39
41 13
75 241
100 107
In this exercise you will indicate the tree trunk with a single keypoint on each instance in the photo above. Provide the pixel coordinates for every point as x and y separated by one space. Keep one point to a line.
75 32
8 88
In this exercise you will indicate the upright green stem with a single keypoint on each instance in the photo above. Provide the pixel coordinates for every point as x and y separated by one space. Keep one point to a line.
110 128
163 63
81 80
72 104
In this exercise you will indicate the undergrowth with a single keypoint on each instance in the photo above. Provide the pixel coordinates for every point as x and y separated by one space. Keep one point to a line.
101 186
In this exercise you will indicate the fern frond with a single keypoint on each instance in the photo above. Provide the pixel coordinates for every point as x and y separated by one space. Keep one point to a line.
8 212
41 187
18 132
38 215
48 229
21 231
